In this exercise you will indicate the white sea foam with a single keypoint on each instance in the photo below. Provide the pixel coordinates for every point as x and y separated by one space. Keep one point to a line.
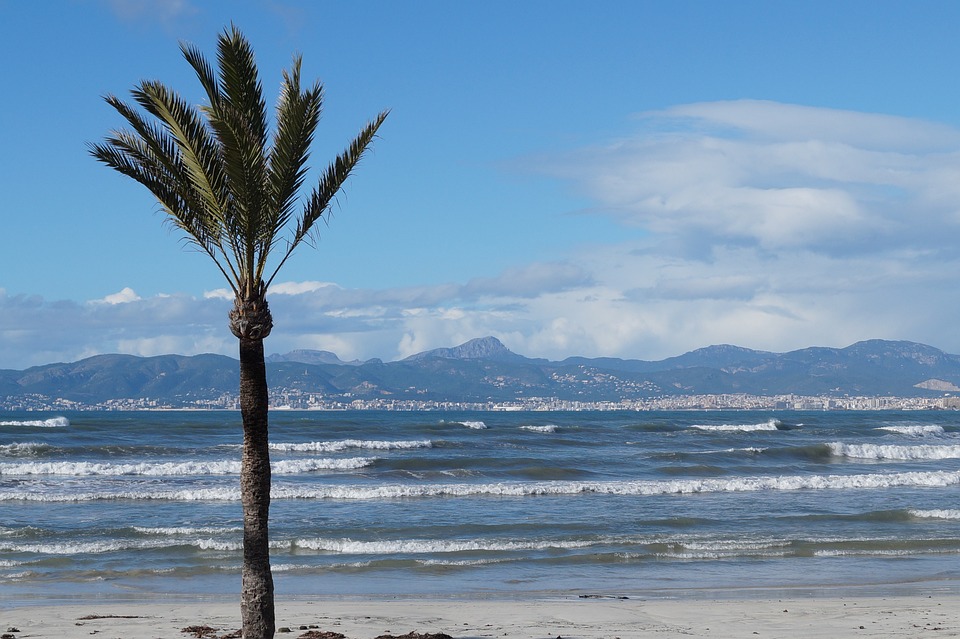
549 428
873 552
185 530
53 422
218 544
892 452
734 545
936 514
918 430
117 545
462 562
719 554
430 546
928 479
82 547
344 444
477 425
283 467
771 424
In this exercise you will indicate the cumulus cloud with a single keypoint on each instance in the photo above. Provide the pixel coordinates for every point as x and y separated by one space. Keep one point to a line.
124 296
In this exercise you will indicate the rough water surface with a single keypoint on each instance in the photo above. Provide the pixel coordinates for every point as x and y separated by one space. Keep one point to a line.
114 504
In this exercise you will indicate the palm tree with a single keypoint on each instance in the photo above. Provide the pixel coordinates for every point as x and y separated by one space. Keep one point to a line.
234 190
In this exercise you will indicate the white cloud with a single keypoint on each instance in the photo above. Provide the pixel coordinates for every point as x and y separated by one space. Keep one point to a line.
219 294
298 288
124 296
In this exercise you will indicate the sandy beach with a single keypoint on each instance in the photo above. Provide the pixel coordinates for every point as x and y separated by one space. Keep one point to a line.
936 615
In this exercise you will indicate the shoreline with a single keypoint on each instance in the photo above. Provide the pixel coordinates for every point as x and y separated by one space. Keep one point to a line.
476 617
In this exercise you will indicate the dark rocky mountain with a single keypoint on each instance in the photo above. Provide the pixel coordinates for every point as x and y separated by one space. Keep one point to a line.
485 348
485 370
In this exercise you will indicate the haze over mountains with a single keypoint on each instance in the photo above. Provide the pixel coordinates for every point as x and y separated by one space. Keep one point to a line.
485 370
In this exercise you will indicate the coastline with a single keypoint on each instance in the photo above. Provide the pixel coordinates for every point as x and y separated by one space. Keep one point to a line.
565 616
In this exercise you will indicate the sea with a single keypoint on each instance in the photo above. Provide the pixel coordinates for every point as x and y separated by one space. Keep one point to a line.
145 505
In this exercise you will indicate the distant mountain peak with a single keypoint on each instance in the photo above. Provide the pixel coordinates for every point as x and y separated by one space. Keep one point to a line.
480 348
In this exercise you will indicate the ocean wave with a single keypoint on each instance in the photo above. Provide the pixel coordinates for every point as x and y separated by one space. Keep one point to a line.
772 424
897 453
53 422
549 428
917 430
24 449
936 514
476 425
928 479
344 444
167 469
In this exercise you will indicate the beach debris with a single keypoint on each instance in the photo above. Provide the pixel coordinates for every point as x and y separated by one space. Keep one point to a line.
91 617
9 636
321 634
201 632
417 635
208 632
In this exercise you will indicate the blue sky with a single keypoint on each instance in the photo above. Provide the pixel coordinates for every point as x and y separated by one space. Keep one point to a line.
622 178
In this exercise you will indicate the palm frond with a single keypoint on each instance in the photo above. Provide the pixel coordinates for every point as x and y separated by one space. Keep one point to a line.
240 124
330 184
199 152
204 71
298 114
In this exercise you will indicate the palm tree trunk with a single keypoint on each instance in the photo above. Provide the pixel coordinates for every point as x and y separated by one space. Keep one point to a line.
256 603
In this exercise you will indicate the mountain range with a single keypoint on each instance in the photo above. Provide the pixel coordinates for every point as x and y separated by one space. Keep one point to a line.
483 369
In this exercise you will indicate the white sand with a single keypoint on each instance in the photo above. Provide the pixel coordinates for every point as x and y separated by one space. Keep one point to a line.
937 615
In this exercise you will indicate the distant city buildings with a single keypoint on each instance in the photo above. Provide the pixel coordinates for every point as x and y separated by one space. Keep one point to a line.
294 399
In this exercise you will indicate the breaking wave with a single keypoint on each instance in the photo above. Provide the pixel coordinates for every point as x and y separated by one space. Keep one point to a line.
896 453
549 428
430 546
772 424
24 449
53 422
936 514
184 530
931 479
918 430
344 444
284 467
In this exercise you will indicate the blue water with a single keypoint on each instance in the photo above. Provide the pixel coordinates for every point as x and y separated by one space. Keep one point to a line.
101 505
